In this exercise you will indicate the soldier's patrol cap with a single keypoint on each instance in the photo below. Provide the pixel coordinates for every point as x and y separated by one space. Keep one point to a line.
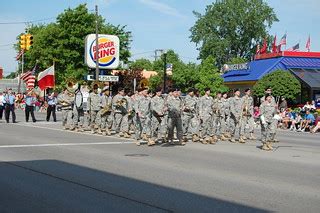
190 90
120 89
236 90
158 89
247 89
207 89
176 89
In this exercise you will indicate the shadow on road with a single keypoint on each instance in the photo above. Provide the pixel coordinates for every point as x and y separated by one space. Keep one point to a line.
56 186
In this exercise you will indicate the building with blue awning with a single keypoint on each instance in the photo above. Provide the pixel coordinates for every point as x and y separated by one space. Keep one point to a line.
305 66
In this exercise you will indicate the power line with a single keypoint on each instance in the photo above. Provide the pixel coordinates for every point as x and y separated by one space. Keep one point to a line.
4 45
142 53
27 22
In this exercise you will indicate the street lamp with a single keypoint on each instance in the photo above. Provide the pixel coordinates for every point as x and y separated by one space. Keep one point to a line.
164 70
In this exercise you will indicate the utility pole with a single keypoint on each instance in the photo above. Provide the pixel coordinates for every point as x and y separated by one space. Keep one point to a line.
97 46
164 70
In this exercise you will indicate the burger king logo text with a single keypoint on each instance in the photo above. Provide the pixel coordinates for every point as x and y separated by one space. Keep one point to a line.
108 51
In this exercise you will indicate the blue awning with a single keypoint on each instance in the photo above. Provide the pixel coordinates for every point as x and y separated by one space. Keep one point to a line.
259 68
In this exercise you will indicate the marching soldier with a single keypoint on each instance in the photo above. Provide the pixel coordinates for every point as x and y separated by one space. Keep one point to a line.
225 123
94 106
143 116
188 117
127 108
104 115
119 107
268 128
268 91
158 108
66 100
218 118
247 102
236 116
205 112
175 117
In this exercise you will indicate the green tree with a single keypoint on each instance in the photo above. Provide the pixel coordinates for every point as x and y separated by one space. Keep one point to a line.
231 29
282 82
63 42
141 64
209 76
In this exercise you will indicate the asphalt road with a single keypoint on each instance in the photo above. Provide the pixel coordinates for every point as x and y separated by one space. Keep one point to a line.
46 169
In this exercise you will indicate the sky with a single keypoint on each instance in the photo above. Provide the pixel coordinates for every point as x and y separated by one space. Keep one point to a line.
155 24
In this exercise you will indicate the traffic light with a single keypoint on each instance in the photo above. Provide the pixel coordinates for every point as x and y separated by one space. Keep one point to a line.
23 42
29 41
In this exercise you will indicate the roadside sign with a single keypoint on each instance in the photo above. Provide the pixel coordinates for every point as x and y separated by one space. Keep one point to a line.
110 78
109 46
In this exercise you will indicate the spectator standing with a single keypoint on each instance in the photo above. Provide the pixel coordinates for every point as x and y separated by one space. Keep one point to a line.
52 103
313 106
30 101
1 104
9 106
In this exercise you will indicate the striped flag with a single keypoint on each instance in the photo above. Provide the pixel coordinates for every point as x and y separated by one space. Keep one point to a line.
308 44
283 40
29 77
19 55
295 48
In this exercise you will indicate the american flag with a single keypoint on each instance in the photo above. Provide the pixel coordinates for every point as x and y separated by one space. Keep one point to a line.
308 44
283 40
29 78
295 48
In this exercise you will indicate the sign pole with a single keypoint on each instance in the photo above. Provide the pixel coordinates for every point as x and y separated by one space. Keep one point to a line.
97 46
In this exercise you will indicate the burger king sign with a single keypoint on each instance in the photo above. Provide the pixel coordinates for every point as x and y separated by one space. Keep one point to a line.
107 51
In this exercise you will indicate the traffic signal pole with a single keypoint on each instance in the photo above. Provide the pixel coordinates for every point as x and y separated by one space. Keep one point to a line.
97 46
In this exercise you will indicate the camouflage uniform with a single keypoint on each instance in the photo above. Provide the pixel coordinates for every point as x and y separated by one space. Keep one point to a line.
103 116
247 102
78 116
205 112
143 117
189 118
157 118
119 110
225 123
236 116
218 118
94 106
174 118
66 101
268 123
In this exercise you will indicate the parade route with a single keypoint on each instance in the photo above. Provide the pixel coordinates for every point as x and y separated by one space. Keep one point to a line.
47 169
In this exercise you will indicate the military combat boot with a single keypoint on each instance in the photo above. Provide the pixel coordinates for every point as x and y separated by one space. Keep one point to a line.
232 140
108 131
241 140
205 141
150 142
181 142
212 140
265 147
223 138
144 137
269 145
252 137
99 131
121 134
104 133
127 135
138 143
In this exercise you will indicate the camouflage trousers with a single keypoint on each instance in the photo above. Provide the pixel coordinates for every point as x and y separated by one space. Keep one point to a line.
190 124
94 119
206 126
175 123
67 118
78 117
247 123
268 130
158 127
219 125
142 125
